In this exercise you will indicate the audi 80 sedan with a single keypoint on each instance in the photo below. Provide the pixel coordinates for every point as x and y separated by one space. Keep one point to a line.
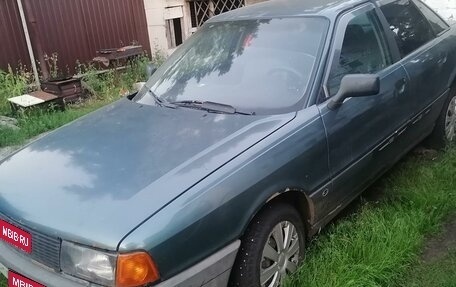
251 137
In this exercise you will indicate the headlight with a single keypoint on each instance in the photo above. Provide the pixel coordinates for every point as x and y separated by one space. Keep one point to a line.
89 264
108 269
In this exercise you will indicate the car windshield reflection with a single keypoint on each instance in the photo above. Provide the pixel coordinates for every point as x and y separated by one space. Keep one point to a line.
249 65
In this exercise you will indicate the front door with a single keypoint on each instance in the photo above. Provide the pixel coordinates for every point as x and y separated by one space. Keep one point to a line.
360 132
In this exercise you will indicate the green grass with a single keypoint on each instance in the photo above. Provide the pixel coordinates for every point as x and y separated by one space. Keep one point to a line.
380 243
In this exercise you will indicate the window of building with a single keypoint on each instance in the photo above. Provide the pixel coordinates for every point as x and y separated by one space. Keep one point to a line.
203 10
174 32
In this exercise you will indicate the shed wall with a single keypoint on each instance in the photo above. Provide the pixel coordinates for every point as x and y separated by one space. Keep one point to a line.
74 29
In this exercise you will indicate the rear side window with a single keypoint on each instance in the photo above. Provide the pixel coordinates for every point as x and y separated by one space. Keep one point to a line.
437 24
411 30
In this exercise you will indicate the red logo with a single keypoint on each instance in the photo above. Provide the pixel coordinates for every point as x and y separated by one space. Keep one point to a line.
15 236
16 280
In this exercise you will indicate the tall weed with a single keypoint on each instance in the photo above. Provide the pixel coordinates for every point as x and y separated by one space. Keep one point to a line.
13 84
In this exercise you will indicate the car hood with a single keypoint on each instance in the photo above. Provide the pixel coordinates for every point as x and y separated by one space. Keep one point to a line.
96 179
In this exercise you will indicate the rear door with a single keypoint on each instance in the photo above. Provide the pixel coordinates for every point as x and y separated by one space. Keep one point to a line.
360 131
419 34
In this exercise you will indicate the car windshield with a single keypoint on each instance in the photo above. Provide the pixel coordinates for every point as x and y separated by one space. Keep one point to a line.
260 66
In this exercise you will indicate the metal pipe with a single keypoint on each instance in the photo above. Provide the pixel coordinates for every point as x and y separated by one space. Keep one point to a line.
36 40
29 43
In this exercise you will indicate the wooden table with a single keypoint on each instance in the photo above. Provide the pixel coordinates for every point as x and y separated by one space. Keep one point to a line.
35 99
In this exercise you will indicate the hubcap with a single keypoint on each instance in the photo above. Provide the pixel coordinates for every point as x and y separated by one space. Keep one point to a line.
280 255
450 122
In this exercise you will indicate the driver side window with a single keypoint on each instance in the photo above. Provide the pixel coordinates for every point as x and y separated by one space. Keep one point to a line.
364 50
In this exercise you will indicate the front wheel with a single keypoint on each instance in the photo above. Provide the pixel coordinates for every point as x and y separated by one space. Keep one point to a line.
445 129
272 248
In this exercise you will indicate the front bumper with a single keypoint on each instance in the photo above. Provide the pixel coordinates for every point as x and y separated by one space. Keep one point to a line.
213 271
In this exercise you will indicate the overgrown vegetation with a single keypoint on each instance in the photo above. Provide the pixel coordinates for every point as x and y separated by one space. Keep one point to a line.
12 84
104 88
113 83
378 244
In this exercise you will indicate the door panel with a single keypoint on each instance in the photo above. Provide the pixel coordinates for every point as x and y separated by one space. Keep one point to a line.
429 76
359 131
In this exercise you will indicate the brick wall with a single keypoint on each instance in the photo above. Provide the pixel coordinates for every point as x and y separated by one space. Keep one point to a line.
446 8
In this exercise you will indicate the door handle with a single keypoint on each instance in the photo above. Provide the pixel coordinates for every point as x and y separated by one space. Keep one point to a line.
401 86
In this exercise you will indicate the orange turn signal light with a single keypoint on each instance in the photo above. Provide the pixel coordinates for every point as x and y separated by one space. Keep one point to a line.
135 269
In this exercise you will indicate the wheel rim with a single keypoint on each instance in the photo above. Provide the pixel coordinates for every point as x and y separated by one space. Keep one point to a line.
450 121
280 254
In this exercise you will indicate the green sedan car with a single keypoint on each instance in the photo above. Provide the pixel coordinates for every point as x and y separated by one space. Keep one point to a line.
250 138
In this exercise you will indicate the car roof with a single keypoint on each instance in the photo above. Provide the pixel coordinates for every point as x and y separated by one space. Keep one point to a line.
289 8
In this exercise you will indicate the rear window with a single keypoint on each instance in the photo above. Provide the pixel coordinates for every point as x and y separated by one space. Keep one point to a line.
411 29
437 24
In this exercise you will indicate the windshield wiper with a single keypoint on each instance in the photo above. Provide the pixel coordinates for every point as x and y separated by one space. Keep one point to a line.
211 107
160 102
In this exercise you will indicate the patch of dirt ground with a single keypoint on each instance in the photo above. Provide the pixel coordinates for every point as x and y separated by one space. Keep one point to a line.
439 246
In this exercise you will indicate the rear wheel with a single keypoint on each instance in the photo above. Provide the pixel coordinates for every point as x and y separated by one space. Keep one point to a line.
272 248
445 129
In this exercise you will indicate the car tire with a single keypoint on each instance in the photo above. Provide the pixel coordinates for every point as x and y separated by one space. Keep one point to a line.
261 241
445 129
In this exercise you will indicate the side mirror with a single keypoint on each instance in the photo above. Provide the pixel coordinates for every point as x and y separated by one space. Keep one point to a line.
150 69
361 85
